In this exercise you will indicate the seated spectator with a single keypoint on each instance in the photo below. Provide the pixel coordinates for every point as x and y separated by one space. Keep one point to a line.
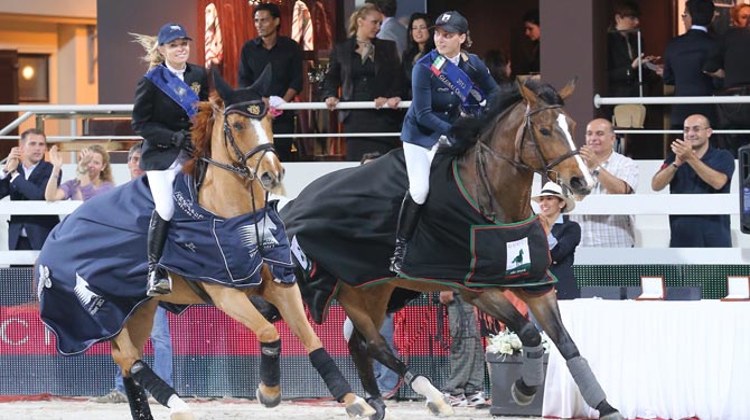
614 174
563 237
694 167
93 176
24 177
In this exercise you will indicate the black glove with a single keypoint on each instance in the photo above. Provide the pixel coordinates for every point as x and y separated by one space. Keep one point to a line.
181 140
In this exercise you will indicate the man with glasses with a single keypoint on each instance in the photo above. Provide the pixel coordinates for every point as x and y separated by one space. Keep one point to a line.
694 167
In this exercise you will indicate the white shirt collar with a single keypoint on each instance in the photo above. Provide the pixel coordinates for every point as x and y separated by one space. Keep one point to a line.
178 73
699 28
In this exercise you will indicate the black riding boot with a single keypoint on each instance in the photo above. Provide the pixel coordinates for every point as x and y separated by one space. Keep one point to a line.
158 280
408 218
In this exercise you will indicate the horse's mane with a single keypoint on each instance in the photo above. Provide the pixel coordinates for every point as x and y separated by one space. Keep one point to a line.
201 131
466 131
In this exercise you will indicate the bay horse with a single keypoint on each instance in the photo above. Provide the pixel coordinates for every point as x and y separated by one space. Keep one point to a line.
344 227
233 166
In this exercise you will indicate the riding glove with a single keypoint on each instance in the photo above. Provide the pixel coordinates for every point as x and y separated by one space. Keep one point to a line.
181 139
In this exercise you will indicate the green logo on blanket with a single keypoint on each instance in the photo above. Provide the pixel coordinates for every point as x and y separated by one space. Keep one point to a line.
518 260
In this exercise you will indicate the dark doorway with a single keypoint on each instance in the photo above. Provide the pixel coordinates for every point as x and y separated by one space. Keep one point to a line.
8 94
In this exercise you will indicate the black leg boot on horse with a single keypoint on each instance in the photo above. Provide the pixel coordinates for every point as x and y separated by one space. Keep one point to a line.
408 219
158 279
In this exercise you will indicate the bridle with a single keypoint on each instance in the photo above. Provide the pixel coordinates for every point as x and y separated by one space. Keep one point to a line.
526 132
255 109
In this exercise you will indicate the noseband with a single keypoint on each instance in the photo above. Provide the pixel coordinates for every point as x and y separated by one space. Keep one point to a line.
252 109
527 132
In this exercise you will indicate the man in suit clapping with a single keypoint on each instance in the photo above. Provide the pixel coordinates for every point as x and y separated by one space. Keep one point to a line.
24 177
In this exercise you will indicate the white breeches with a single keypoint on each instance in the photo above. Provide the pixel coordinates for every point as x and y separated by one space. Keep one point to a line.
418 162
161 183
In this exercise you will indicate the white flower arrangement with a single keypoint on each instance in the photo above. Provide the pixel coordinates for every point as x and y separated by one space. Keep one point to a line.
508 343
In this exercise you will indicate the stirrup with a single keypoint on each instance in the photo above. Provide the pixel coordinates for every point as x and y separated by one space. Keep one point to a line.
159 282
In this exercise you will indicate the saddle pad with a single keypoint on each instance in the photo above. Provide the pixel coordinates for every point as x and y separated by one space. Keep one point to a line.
346 221
92 269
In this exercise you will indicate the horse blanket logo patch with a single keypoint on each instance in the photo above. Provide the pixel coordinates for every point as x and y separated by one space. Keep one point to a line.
518 260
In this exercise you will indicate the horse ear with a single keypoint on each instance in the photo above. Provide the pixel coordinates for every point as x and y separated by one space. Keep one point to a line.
529 96
568 89
263 83
222 87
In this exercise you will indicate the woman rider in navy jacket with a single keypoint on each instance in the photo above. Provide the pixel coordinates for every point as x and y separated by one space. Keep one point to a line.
164 104
436 104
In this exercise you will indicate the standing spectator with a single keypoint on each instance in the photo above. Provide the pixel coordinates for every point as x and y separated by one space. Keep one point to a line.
532 31
161 339
694 167
685 58
466 381
392 29
93 176
614 174
732 63
499 66
436 105
563 237
623 59
285 57
24 177
418 43
740 15
165 100
366 69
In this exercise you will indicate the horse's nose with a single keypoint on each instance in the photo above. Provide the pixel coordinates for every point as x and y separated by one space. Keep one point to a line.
269 180
579 186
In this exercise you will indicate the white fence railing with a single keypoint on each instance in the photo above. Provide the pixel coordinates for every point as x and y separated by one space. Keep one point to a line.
650 209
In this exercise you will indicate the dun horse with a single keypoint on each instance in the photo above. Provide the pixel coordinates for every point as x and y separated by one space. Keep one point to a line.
344 225
92 273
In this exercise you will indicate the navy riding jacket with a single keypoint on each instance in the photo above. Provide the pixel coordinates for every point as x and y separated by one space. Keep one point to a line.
434 107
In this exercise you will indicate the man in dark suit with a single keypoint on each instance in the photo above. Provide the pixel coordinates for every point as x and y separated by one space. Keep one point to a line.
685 58
391 29
25 177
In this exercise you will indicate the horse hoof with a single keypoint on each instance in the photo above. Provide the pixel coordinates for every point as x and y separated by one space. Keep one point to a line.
440 409
519 397
360 408
181 415
266 401
379 406
613 416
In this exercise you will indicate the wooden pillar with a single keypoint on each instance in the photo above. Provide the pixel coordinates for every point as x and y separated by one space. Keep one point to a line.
573 44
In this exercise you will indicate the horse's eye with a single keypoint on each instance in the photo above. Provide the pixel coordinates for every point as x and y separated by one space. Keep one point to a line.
238 126
545 132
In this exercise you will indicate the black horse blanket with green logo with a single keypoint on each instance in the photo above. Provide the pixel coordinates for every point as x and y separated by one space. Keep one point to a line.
342 227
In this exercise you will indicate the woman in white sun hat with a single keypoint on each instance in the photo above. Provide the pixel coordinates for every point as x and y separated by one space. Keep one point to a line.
563 237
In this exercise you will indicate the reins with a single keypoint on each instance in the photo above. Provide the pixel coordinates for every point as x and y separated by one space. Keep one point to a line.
482 150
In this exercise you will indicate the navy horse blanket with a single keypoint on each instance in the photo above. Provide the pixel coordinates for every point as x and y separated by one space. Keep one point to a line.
91 272
343 228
